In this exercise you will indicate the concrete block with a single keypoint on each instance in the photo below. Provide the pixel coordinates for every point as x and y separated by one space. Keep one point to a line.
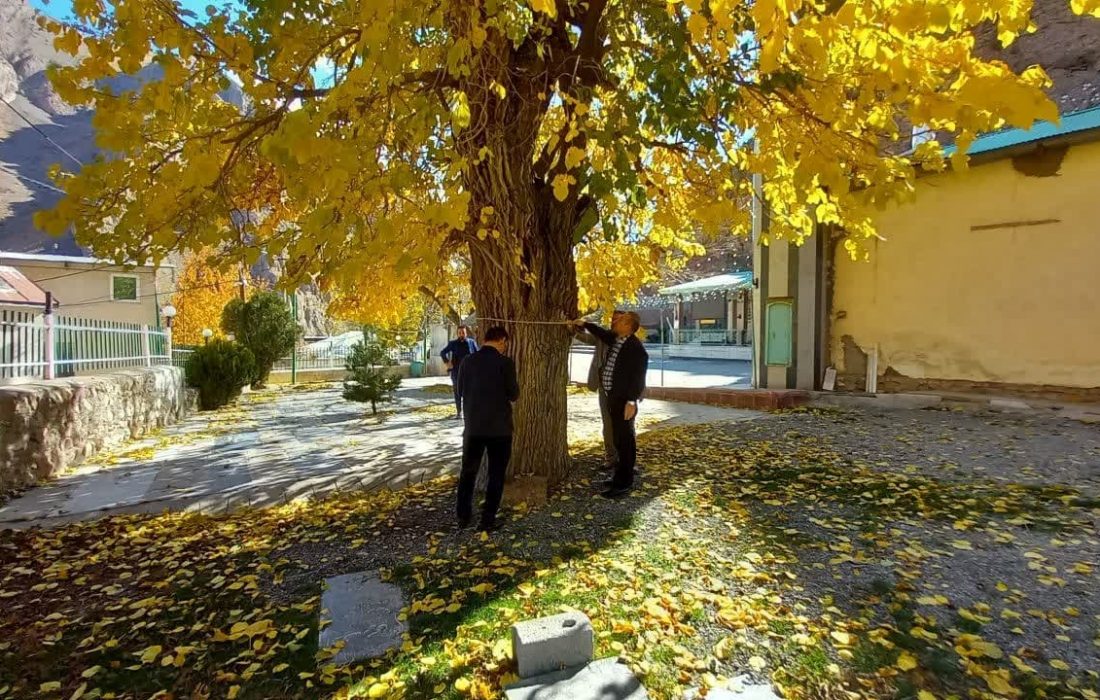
552 643
361 611
738 689
606 679
1008 405
745 692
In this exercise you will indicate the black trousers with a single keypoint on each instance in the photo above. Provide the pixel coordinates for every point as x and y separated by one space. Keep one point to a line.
473 447
625 442
454 388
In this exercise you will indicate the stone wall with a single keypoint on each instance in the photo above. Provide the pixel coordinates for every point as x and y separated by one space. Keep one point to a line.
48 426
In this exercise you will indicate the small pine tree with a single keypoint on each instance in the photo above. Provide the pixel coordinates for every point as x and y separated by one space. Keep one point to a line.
369 375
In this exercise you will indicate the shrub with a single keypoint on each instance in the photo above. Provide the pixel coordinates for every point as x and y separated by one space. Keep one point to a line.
265 325
219 370
369 376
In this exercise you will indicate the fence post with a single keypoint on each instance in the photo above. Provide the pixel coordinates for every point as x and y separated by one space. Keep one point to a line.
47 319
145 353
294 351
168 342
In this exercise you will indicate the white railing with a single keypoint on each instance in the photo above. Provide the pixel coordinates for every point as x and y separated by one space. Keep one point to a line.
43 346
711 336
305 360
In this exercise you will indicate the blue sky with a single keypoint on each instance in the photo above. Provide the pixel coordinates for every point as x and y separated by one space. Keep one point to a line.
63 8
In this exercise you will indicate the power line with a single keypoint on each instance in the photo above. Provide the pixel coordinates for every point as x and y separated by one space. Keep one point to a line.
100 300
43 134
31 180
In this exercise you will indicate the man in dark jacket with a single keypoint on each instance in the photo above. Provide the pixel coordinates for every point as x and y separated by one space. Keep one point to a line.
487 383
454 354
623 378
599 358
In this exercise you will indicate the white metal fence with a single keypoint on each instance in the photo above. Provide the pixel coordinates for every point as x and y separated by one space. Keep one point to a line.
711 336
304 359
43 346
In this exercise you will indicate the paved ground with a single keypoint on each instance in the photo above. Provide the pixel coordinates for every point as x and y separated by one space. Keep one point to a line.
676 372
287 444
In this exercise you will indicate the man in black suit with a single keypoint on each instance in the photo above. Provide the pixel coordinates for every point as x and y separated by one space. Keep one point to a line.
623 379
488 386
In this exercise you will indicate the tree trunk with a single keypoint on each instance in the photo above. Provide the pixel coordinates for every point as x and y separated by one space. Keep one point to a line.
540 350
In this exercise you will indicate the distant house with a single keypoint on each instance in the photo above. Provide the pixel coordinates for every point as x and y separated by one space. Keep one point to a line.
18 293
90 288
985 282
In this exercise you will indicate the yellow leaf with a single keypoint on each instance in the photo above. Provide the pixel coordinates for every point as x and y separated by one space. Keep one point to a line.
573 157
378 690
462 685
925 695
961 544
547 7
150 654
907 662
50 686
233 692
1059 664
561 186
842 638
999 684
757 663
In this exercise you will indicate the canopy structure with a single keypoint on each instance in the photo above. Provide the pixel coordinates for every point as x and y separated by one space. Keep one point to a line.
727 282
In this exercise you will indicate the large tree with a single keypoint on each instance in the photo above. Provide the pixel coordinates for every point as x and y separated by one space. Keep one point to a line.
533 138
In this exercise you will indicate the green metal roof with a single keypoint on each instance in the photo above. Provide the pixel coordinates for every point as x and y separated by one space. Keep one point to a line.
742 279
1074 122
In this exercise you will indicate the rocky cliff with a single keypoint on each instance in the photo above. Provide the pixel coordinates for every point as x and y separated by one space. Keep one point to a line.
35 116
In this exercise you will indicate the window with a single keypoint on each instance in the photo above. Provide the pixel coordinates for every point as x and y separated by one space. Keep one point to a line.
5 287
124 288
921 134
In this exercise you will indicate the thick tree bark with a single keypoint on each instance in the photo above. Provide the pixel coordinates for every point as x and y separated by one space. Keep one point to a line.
540 350
521 236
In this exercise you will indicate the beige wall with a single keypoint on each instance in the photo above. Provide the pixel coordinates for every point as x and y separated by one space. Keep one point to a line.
74 284
1016 304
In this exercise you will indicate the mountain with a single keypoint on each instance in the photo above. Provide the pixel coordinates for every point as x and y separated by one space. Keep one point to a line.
1066 45
25 155
26 151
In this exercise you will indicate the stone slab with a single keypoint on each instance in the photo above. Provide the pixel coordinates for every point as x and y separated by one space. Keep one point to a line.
606 679
360 610
552 643
745 691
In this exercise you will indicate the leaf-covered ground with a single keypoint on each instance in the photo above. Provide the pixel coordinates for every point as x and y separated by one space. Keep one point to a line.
911 555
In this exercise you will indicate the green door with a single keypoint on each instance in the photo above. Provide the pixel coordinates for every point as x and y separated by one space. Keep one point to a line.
777 343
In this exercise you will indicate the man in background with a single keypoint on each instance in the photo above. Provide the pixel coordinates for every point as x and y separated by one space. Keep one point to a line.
454 354
599 359
487 383
623 378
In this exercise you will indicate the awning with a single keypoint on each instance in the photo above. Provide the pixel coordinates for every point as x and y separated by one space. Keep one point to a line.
730 281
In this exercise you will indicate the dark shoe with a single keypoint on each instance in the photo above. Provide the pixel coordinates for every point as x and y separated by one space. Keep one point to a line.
488 527
463 523
607 484
617 491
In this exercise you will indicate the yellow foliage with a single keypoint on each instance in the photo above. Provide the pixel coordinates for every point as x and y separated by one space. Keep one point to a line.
367 186
202 291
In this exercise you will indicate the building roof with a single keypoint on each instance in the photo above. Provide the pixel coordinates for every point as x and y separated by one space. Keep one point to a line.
1073 123
741 279
66 259
15 288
